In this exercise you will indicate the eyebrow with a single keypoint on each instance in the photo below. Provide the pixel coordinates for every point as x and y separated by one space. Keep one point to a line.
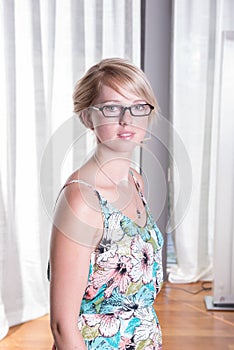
119 102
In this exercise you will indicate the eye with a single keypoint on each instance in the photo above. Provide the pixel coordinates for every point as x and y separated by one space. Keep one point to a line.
111 108
139 107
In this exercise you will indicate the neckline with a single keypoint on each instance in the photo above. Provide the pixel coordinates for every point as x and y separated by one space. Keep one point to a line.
136 183
112 206
116 210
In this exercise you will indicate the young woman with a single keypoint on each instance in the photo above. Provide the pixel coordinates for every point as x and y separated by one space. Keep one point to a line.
106 266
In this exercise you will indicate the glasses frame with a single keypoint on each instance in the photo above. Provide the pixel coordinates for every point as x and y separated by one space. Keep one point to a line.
124 108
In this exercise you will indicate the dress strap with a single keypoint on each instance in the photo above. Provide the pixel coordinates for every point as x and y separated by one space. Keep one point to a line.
102 201
138 187
77 181
72 182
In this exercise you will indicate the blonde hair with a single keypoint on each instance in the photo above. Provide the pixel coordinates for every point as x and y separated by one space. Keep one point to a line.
116 73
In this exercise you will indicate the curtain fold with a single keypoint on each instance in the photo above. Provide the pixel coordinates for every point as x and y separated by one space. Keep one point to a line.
45 47
197 31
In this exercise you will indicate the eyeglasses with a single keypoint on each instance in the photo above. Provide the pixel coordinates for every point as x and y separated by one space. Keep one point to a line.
117 111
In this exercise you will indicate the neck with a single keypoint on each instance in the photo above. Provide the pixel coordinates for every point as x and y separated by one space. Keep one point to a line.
116 166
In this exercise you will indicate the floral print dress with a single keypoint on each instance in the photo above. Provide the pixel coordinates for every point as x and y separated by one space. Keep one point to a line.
124 278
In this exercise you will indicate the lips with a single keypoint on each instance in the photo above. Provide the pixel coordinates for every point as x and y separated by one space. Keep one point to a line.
126 135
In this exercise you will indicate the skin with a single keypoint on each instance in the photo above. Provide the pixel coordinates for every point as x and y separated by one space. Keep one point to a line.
70 248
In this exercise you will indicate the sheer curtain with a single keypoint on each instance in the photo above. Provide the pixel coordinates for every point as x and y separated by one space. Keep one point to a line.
198 27
45 46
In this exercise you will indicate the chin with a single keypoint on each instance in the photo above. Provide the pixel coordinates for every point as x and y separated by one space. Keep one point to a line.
121 146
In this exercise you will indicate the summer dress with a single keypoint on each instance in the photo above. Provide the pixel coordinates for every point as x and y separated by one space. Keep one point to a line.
125 276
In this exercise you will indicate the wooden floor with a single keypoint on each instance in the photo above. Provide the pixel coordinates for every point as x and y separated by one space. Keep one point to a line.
187 325
185 322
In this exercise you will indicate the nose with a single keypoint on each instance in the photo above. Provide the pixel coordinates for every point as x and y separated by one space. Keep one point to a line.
126 117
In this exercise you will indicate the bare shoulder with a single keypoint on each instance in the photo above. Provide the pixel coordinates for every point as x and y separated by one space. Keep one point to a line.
78 214
81 196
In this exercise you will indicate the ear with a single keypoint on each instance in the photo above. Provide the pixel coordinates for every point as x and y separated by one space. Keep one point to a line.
85 115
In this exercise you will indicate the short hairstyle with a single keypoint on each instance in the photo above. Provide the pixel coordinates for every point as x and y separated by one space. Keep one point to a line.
116 73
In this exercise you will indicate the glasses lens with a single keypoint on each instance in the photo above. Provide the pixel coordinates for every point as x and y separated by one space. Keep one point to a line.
112 111
141 109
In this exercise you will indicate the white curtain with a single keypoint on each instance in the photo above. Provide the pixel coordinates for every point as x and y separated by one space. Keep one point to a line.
198 27
45 46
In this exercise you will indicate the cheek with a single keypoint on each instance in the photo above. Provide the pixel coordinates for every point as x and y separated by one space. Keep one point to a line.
141 128
105 132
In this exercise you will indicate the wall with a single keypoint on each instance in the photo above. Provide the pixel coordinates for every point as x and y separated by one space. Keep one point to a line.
156 64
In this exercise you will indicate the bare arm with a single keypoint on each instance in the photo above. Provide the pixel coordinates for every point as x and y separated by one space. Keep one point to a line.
72 243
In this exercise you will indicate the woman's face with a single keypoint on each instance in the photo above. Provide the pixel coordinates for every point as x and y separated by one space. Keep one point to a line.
122 133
